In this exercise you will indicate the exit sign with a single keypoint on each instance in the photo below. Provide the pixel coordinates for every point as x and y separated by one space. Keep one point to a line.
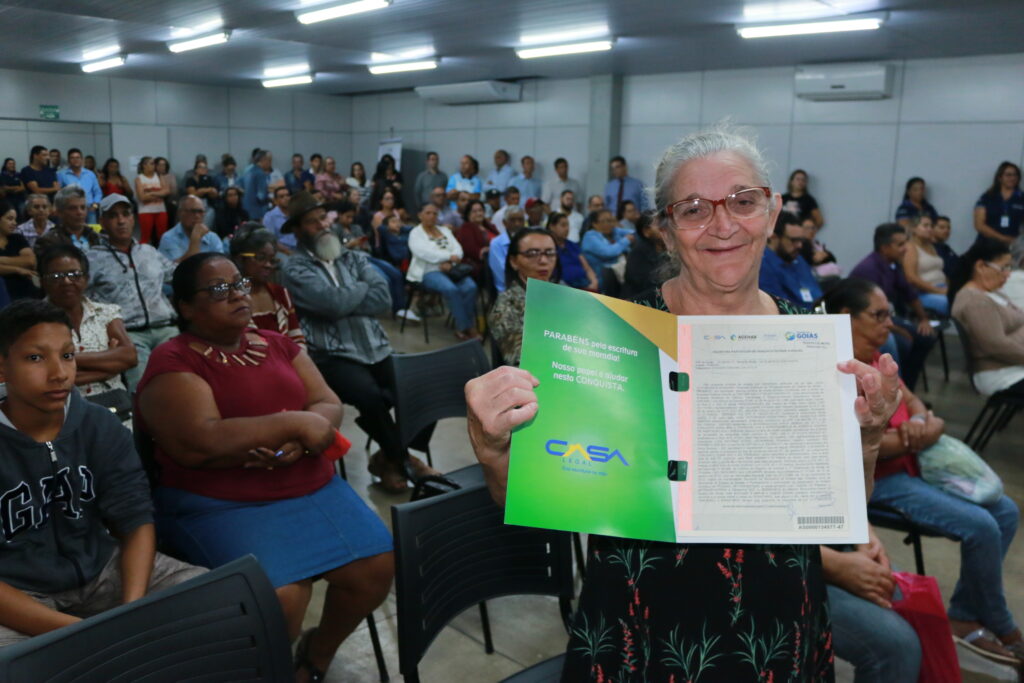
50 112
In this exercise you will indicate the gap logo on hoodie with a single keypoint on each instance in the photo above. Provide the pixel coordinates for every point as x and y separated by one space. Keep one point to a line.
26 506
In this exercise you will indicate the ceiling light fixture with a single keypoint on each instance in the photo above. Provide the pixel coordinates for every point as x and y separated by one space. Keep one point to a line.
562 37
410 55
100 52
196 43
109 63
291 80
570 49
286 70
378 69
338 11
811 27
198 29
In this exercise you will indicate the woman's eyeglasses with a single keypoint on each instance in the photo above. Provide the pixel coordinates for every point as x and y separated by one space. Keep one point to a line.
69 275
221 290
881 315
536 254
1002 269
694 214
261 258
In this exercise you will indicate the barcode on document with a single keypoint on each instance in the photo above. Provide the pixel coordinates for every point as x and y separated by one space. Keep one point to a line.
821 522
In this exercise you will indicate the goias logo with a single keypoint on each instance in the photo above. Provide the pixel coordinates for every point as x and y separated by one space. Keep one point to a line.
564 449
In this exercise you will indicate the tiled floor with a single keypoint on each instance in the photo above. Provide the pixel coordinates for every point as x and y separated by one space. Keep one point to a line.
528 629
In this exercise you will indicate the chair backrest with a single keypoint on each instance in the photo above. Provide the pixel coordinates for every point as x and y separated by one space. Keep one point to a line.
965 344
430 386
224 625
454 550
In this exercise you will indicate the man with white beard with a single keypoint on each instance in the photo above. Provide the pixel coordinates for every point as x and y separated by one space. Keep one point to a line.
338 294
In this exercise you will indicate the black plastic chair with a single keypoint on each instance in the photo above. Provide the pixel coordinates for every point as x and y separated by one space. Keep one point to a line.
888 517
454 551
548 671
999 408
430 386
225 625
414 293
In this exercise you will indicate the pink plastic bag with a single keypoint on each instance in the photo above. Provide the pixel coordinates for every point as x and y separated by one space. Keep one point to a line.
921 605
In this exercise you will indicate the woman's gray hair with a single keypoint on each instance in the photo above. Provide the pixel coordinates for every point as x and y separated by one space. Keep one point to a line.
66 193
722 137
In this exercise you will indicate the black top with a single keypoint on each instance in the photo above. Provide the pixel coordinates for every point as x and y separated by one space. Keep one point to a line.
643 265
801 206
18 286
654 611
45 177
227 219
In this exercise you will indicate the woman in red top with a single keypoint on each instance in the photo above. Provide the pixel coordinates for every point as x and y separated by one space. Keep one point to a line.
475 236
978 612
113 181
240 419
254 251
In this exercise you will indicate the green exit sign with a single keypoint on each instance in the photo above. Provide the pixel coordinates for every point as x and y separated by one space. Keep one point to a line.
50 112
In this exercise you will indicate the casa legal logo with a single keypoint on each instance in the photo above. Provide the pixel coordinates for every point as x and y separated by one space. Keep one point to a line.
593 453
790 336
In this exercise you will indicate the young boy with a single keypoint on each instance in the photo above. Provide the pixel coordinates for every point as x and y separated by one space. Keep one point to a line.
68 472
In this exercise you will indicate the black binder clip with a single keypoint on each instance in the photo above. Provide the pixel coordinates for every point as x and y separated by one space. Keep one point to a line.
679 381
677 470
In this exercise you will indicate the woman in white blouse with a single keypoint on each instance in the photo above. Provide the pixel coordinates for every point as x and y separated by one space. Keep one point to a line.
437 264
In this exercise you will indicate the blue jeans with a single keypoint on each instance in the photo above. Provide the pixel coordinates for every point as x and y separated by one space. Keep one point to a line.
460 297
985 533
880 644
935 302
396 282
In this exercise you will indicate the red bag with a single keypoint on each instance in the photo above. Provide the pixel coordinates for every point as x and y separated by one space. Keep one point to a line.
921 605
338 448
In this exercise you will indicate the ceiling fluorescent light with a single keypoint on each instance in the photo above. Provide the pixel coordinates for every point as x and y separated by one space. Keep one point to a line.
286 70
807 28
338 11
103 64
378 69
198 29
196 43
564 36
100 52
571 49
290 80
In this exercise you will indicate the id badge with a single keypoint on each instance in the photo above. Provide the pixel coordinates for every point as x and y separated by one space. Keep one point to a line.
805 294
1004 222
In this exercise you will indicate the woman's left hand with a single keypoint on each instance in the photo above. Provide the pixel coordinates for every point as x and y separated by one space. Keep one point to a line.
269 459
878 392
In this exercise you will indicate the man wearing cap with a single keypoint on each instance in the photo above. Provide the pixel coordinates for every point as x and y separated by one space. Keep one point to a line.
338 294
133 275
190 230
515 220
536 211
492 201
71 212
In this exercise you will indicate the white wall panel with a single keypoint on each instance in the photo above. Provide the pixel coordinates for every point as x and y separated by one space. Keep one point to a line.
14 143
563 102
570 142
337 145
242 141
322 112
516 141
448 117
661 99
364 149
966 89
134 140
642 146
774 142
187 141
400 111
251 108
191 105
80 97
365 113
132 101
748 95
512 114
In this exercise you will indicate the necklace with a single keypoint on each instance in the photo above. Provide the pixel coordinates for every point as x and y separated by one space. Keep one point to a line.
253 353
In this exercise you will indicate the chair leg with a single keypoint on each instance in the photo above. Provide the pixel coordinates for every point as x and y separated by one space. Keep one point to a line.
924 378
989 427
945 358
581 562
970 439
430 458
918 552
341 469
378 651
486 624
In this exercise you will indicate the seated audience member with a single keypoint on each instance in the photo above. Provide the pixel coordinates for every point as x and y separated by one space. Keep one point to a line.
103 349
536 213
240 418
395 241
77 174
364 217
529 187
978 612
357 179
12 188
338 294
628 216
941 231
201 184
913 340
492 202
38 224
230 213
866 631
646 260
256 185
39 177
275 218
594 203
511 199
254 251
428 179
914 205
475 236
466 180
132 275
228 177
515 220
298 178
567 206
531 254
994 324
152 195
452 217
71 227
502 175
316 164
353 237
923 266
605 244
190 175
387 177
556 187
17 260
821 260
94 549
387 206
435 255
189 230
329 182
784 273
575 270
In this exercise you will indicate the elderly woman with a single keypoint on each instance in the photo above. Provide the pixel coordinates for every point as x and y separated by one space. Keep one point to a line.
475 235
923 266
38 223
993 323
716 212
254 251
330 183
978 612
103 349
240 419
532 253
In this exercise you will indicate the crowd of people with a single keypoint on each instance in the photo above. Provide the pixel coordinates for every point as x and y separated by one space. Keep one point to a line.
255 298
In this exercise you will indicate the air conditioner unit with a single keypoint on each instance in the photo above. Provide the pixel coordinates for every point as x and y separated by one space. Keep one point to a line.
474 92
844 82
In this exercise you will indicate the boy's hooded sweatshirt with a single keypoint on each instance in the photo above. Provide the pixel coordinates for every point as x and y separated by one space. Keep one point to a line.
57 499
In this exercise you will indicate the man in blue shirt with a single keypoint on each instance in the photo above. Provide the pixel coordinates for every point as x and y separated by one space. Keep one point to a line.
298 178
622 187
177 241
38 177
255 197
275 218
502 175
784 272
77 174
529 187
515 220
466 180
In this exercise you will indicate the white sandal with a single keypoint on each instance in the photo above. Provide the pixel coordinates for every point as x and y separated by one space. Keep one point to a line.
983 634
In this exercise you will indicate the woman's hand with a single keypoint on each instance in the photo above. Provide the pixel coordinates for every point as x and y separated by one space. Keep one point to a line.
445 267
267 458
864 576
315 432
497 403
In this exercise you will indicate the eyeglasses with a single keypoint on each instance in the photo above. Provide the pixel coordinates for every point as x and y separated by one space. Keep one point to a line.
694 214
1002 269
193 210
536 254
881 315
261 258
69 275
221 290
